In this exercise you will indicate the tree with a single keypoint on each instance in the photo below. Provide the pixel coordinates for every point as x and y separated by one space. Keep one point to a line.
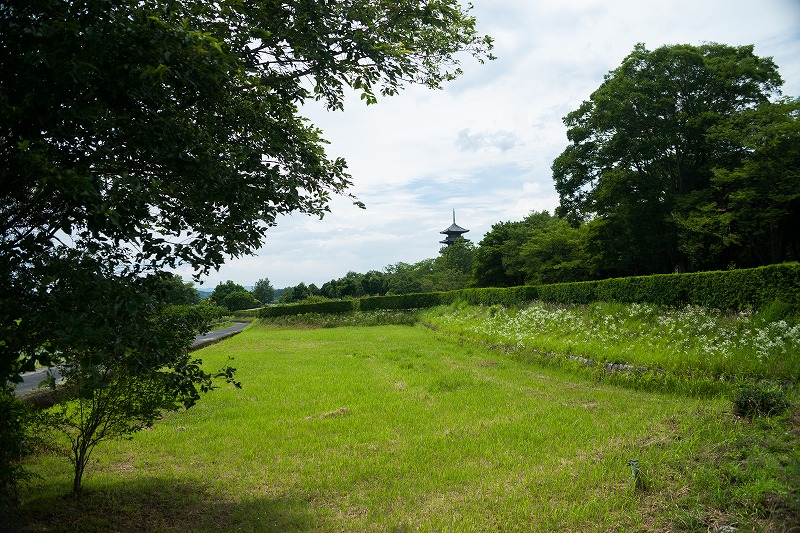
264 291
330 289
173 127
555 254
222 290
237 300
404 278
131 359
453 268
139 135
374 283
287 296
178 292
751 213
639 148
488 269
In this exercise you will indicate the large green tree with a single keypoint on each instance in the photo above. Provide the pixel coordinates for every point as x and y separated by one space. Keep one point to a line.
639 147
172 128
137 135
750 215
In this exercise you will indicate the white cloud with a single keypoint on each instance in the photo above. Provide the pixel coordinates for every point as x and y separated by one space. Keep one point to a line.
484 144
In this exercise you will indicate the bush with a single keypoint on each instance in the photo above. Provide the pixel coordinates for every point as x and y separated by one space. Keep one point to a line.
330 306
417 300
16 426
764 398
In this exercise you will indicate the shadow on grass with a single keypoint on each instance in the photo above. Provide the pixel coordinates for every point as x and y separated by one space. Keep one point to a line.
157 504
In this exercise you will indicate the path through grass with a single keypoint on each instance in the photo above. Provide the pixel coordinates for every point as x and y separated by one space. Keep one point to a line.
395 428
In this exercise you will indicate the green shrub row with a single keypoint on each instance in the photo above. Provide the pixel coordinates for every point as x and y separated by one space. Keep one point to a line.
730 289
332 306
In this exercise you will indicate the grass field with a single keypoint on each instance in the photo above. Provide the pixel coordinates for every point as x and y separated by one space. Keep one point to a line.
401 428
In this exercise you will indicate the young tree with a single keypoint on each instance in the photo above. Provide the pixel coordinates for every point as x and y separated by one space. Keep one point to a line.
131 361
639 149
263 291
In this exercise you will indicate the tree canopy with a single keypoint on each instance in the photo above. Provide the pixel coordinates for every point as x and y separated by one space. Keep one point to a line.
172 128
640 148
263 291
139 135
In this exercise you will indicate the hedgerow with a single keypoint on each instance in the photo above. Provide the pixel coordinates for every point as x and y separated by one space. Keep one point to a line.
730 289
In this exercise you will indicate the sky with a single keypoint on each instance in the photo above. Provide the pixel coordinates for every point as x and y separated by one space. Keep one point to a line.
484 144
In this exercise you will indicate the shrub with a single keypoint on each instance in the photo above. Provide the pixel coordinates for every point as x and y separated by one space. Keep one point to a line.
417 300
763 398
16 426
330 306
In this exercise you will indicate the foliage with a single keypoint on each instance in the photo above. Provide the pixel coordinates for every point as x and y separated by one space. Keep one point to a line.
750 214
730 289
300 293
641 157
417 300
380 317
539 249
331 306
224 289
177 292
123 350
762 398
173 128
776 286
198 317
263 291
15 441
237 300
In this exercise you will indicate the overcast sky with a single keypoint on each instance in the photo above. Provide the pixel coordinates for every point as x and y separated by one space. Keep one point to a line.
484 144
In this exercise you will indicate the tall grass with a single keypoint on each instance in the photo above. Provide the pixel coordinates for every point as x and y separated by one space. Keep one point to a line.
397 428
689 341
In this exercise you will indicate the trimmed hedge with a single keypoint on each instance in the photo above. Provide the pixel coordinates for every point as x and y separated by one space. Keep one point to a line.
494 295
729 289
333 306
417 300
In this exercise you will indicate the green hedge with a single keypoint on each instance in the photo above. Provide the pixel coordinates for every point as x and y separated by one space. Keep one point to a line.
729 289
333 306
417 300
504 296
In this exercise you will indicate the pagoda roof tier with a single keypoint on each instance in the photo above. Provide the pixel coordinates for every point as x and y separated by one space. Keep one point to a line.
454 228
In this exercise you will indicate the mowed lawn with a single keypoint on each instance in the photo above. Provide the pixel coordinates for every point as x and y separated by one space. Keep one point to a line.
391 428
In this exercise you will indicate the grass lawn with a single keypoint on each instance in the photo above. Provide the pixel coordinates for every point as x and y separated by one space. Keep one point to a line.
400 428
